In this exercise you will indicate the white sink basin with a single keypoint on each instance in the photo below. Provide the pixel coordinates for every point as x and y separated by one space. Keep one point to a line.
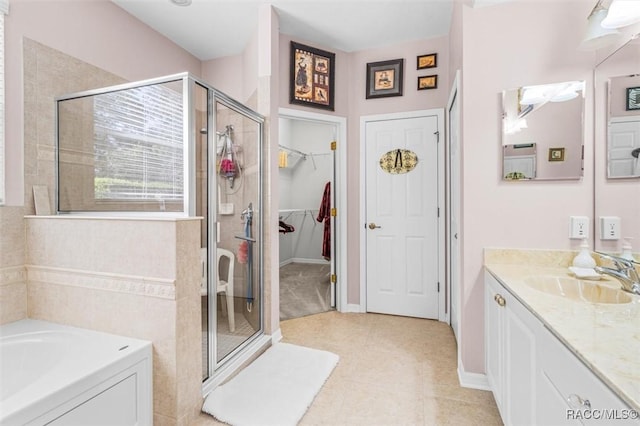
577 290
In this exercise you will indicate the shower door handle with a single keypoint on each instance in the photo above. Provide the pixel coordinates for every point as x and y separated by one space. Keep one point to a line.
374 226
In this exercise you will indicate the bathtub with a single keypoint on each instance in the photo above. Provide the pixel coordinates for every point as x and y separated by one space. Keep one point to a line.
61 375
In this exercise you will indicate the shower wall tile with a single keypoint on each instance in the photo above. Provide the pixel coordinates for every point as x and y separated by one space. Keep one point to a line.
13 301
13 283
188 321
49 73
12 248
123 246
76 270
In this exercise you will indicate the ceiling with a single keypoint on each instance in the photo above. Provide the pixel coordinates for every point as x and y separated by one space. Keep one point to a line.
211 29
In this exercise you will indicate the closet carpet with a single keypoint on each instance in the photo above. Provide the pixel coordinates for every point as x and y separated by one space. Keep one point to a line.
305 289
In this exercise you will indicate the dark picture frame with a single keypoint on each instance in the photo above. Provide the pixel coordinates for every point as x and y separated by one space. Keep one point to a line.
427 82
427 61
385 78
633 98
556 154
312 77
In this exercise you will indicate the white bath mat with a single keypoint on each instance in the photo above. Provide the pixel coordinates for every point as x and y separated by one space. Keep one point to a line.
276 389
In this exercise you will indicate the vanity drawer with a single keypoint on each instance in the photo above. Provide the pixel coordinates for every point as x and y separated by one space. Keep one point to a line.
577 385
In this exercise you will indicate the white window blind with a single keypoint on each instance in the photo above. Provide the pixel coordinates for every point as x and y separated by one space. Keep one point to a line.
138 147
4 8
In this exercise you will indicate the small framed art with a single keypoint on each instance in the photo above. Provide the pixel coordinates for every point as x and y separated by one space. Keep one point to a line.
633 98
312 77
384 78
556 154
427 61
428 82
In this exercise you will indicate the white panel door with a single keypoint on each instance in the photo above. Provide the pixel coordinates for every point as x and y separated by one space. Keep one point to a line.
402 209
624 137
525 164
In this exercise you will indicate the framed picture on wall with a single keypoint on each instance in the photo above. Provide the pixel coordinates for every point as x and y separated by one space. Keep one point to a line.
312 77
556 154
384 78
427 61
428 82
633 98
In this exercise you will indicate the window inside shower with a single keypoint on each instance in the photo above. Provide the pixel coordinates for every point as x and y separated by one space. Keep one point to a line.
123 150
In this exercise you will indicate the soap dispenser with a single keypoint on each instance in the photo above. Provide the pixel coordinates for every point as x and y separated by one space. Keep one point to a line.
626 249
584 259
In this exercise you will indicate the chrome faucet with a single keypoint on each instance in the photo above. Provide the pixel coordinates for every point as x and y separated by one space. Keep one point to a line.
624 271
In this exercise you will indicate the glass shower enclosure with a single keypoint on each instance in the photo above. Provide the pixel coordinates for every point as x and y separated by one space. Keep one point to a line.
176 146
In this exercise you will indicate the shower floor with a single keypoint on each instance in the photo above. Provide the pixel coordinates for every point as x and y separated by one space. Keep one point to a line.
305 289
226 341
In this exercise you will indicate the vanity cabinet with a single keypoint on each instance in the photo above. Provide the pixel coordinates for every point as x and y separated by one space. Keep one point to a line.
510 353
534 377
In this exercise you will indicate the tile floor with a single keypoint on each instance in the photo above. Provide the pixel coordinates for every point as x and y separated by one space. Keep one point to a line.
392 371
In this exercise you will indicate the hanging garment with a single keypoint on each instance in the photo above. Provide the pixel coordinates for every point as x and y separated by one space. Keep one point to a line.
286 228
324 215
283 159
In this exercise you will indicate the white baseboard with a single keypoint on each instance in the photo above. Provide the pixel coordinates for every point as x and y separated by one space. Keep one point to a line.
276 336
472 380
304 260
286 262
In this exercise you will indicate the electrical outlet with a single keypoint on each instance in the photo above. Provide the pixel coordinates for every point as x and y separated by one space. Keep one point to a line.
609 228
578 227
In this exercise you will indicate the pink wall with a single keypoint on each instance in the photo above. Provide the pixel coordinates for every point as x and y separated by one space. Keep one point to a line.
225 74
97 32
504 46
359 106
351 102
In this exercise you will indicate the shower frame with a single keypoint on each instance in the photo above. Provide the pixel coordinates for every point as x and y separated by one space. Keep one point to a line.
189 134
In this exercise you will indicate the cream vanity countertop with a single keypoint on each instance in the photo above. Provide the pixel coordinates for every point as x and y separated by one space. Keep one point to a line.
606 337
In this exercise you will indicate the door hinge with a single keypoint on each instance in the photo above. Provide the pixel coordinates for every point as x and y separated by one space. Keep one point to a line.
438 211
334 145
437 133
438 286
334 212
334 278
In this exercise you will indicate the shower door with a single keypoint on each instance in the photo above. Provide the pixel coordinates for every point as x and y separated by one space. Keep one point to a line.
234 286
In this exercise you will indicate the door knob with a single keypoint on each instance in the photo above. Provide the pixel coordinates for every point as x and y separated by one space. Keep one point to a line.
374 226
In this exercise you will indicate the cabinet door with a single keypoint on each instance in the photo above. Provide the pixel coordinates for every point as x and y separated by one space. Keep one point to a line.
520 360
494 339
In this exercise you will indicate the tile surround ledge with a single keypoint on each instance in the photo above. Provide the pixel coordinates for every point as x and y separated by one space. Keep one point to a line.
605 337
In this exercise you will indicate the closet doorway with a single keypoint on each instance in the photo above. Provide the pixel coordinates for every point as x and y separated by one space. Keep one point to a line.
308 237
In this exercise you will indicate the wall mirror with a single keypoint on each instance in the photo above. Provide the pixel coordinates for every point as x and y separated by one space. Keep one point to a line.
542 131
623 135
616 183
